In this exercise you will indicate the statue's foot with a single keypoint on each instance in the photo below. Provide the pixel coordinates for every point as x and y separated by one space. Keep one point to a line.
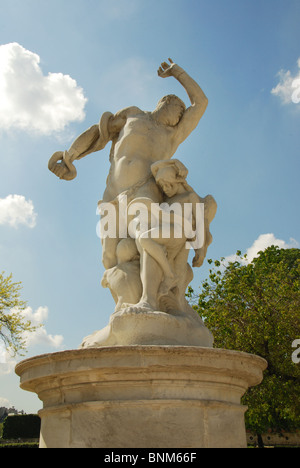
142 306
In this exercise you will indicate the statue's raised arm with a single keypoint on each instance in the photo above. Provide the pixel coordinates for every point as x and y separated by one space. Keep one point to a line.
199 101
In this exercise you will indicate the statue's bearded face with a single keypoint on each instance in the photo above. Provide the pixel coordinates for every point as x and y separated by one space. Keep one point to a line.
169 110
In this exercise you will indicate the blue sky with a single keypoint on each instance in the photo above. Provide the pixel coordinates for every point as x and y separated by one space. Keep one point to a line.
62 64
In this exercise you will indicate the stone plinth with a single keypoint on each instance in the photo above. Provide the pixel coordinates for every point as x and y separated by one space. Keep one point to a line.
142 396
127 328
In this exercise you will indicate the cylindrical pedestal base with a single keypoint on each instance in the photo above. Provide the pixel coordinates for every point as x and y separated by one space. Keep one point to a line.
142 396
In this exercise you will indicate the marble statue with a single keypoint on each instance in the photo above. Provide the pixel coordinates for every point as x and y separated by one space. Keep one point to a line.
147 270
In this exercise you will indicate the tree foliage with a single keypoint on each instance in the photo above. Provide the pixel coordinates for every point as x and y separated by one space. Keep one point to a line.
13 323
25 426
255 307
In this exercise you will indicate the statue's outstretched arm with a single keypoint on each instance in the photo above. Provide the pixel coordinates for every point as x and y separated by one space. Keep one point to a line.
93 139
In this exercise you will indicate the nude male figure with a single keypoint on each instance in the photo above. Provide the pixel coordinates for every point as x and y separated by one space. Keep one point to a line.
139 139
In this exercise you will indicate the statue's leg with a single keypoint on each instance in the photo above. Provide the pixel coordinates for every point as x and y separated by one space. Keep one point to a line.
109 248
151 277
157 249
109 236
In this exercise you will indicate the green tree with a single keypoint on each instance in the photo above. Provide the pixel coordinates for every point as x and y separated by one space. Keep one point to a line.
13 323
23 426
255 307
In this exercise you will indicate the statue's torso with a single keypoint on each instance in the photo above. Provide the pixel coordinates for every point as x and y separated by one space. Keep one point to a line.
141 142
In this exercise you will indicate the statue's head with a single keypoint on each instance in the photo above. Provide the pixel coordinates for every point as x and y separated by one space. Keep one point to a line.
170 175
169 110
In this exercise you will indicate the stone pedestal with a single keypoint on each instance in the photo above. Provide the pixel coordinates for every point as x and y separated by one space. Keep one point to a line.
142 396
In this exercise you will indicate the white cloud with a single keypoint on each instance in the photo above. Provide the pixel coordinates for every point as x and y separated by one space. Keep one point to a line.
266 240
262 243
16 210
288 88
7 362
40 337
4 402
32 101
